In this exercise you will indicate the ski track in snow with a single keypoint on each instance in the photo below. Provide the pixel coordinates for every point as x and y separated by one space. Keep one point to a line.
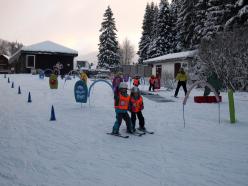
75 150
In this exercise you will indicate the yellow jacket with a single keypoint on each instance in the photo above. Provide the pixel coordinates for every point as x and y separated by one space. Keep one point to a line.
84 77
181 77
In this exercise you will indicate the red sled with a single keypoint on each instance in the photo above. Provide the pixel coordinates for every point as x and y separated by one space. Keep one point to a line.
206 99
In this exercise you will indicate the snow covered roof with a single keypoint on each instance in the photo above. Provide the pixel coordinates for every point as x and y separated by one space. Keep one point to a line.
43 47
50 47
179 55
7 57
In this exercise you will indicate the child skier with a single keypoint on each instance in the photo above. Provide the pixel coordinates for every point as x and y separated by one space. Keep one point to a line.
136 106
136 81
152 83
121 109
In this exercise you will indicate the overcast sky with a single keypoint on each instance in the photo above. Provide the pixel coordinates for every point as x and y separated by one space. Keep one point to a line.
73 23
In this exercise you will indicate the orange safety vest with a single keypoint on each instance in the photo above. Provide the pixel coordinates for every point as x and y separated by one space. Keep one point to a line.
123 102
136 82
136 104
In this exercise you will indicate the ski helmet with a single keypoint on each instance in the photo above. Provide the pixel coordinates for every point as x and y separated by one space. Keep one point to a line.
123 85
135 90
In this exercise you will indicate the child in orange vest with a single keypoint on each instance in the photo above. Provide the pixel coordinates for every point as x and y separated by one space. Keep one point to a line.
122 100
136 106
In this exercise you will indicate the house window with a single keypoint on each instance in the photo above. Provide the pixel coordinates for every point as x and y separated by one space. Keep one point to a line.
30 61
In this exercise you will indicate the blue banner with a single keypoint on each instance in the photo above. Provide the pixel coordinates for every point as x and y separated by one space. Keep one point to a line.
81 91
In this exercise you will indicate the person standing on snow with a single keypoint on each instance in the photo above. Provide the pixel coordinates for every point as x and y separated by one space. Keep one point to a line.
136 106
116 81
136 81
121 109
182 80
152 83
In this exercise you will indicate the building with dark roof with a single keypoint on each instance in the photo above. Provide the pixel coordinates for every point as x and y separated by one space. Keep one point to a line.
44 55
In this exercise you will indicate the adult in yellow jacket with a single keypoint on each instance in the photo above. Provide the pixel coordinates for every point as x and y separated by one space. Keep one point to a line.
182 80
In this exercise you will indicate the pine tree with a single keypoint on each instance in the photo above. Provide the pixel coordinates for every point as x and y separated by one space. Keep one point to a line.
174 9
147 28
108 47
199 20
155 22
240 15
186 24
218 12
164 38
152 52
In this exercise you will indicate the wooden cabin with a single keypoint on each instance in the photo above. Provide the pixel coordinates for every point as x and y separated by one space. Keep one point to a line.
44 55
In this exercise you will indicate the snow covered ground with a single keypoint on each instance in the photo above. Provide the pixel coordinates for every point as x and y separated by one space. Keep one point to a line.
75 150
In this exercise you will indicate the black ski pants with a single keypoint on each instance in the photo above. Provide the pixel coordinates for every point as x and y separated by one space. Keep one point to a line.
179 84
151 87
140 117
119 117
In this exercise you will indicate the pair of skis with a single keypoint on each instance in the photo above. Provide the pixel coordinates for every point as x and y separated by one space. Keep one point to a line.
136 133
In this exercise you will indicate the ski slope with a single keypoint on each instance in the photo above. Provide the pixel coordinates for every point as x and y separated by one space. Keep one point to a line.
75 150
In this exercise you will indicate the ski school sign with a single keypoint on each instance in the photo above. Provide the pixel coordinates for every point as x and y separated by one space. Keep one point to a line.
81 91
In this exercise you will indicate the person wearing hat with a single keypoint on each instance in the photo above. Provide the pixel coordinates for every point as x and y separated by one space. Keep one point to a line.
136 106
121 109
182 80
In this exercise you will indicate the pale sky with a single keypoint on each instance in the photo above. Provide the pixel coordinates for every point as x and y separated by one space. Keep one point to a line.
72 23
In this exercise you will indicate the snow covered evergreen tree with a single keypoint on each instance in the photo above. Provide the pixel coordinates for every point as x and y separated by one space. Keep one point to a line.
200 9
152 52
174 10
186 24
146 33
218 12
240 16
155 22
108 47
164 34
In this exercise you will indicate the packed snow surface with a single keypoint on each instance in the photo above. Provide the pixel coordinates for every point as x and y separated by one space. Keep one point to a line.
75 150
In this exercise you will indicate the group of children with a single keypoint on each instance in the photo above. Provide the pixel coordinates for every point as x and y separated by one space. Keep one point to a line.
132 103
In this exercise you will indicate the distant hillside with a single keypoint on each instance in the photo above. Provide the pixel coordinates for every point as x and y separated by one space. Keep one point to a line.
8 48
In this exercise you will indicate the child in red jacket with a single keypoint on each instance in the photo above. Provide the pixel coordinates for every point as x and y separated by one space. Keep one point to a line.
136 81
136 106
